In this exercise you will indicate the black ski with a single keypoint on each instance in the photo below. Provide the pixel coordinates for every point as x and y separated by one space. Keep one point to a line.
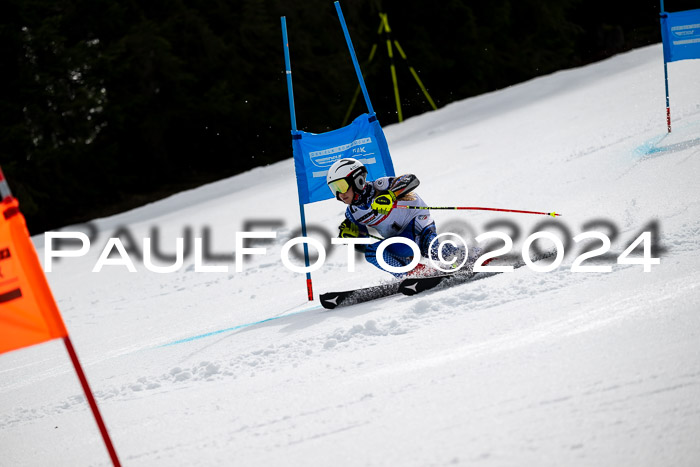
331 300
413 286
417 285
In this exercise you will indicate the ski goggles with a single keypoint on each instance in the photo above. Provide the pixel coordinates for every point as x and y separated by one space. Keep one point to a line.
339 186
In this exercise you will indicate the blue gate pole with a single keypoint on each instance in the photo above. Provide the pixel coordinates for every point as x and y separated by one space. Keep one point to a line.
354 58
668 100
290 91
288 68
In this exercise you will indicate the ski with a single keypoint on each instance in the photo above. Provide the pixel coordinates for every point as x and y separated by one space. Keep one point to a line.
332 300
417 285
410 286
413 286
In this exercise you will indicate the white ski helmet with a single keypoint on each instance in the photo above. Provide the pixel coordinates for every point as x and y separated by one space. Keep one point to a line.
346 173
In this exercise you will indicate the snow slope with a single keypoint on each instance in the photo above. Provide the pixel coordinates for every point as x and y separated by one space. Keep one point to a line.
526 368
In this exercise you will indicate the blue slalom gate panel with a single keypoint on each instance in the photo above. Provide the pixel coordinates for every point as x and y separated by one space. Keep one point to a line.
680 32
363 139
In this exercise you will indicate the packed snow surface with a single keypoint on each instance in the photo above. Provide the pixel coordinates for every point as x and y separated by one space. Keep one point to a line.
524 368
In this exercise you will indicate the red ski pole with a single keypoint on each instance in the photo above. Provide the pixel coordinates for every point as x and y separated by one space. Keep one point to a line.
471 208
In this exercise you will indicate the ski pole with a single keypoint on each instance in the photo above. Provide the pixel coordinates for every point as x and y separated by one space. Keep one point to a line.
553 214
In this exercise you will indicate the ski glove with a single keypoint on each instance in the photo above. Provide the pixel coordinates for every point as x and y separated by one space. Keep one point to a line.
384 203
348 229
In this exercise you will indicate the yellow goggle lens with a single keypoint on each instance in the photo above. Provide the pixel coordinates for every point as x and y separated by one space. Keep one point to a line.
339 186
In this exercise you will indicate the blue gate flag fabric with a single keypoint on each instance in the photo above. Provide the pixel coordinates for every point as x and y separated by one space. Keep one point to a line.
363 139
680 32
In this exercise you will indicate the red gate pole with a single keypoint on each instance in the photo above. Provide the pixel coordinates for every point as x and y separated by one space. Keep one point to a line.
91 401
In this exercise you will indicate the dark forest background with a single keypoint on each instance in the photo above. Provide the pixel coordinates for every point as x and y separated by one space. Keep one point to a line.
109 104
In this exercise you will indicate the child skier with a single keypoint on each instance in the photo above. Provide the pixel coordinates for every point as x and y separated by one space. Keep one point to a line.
373 204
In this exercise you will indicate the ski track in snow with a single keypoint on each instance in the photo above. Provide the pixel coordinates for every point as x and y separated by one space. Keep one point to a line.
421 311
